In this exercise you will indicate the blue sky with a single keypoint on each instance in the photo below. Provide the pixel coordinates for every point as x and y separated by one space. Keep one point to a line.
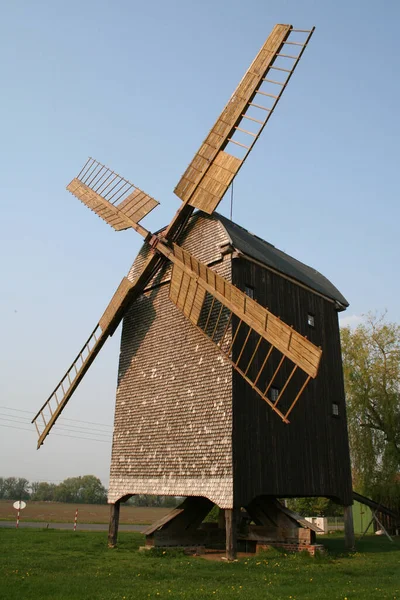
138 86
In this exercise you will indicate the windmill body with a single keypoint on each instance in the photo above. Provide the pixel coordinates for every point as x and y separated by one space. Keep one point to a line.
226 341
187 424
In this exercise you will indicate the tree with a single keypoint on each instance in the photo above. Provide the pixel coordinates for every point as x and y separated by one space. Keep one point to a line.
371 363
43 491
14 488
84 490
315 507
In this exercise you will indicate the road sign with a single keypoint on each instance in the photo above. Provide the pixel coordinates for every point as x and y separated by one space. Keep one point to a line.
19 505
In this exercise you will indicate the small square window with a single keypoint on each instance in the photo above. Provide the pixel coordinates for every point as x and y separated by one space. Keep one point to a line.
335 409
274 394
311 320
249 291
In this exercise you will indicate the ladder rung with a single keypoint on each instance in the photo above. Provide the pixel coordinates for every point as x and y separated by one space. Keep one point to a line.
302 30
294 43
252 119
265 94
280 69
245 131
276 82
258 106
287 56
238 143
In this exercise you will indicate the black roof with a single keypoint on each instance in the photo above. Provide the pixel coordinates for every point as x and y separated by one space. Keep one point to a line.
253 246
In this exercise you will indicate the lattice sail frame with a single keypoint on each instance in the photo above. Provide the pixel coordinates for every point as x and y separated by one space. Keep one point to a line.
240 124
116 200
191 281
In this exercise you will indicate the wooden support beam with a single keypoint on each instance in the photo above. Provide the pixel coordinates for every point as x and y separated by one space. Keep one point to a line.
231 533
114 523
349 539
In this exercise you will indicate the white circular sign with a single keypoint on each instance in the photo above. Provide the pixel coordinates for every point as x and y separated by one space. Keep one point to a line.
19 504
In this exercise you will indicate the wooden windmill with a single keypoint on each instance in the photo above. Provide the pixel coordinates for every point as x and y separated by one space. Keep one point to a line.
191 379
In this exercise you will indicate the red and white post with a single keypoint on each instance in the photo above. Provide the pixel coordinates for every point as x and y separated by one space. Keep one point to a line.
76 519
18 511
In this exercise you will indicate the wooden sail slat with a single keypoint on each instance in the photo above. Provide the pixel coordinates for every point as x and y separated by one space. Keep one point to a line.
288 341
116 200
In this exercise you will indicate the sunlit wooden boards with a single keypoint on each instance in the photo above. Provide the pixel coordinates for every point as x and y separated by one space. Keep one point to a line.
190 281
214 181
129 212
116 303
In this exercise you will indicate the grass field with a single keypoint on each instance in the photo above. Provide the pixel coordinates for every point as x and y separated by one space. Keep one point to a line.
60 565
58 512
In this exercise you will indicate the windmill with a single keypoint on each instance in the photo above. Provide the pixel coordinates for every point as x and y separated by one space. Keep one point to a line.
254 341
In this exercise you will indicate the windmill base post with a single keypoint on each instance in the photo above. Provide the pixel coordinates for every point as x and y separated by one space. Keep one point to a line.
113 526
349 539
231 532
221 519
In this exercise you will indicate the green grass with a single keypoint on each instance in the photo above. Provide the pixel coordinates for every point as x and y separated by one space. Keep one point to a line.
60 565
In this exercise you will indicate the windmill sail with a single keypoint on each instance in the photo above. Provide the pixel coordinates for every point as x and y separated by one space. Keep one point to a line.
240 124
192 283
116 200
46 417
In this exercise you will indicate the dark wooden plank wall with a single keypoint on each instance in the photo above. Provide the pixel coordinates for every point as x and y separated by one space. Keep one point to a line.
310 456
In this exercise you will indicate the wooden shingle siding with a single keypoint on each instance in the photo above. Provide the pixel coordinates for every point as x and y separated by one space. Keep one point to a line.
173 416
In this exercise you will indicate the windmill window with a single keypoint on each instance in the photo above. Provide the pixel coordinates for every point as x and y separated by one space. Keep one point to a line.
335 409
249 291
274 394
311 320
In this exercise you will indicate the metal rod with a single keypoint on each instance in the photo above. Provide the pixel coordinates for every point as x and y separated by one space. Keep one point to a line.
123 194
108 185
280 69
120 190
265 94
245 131
294 43
298 396
94 176
287 56
253 355
216 324
238 143
96 179
84 166
274 375
252 119
104 181
90 166
263 365
302 30
90 172
234 337
209 313
285 386
225 330
258 106
244 344
276 82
